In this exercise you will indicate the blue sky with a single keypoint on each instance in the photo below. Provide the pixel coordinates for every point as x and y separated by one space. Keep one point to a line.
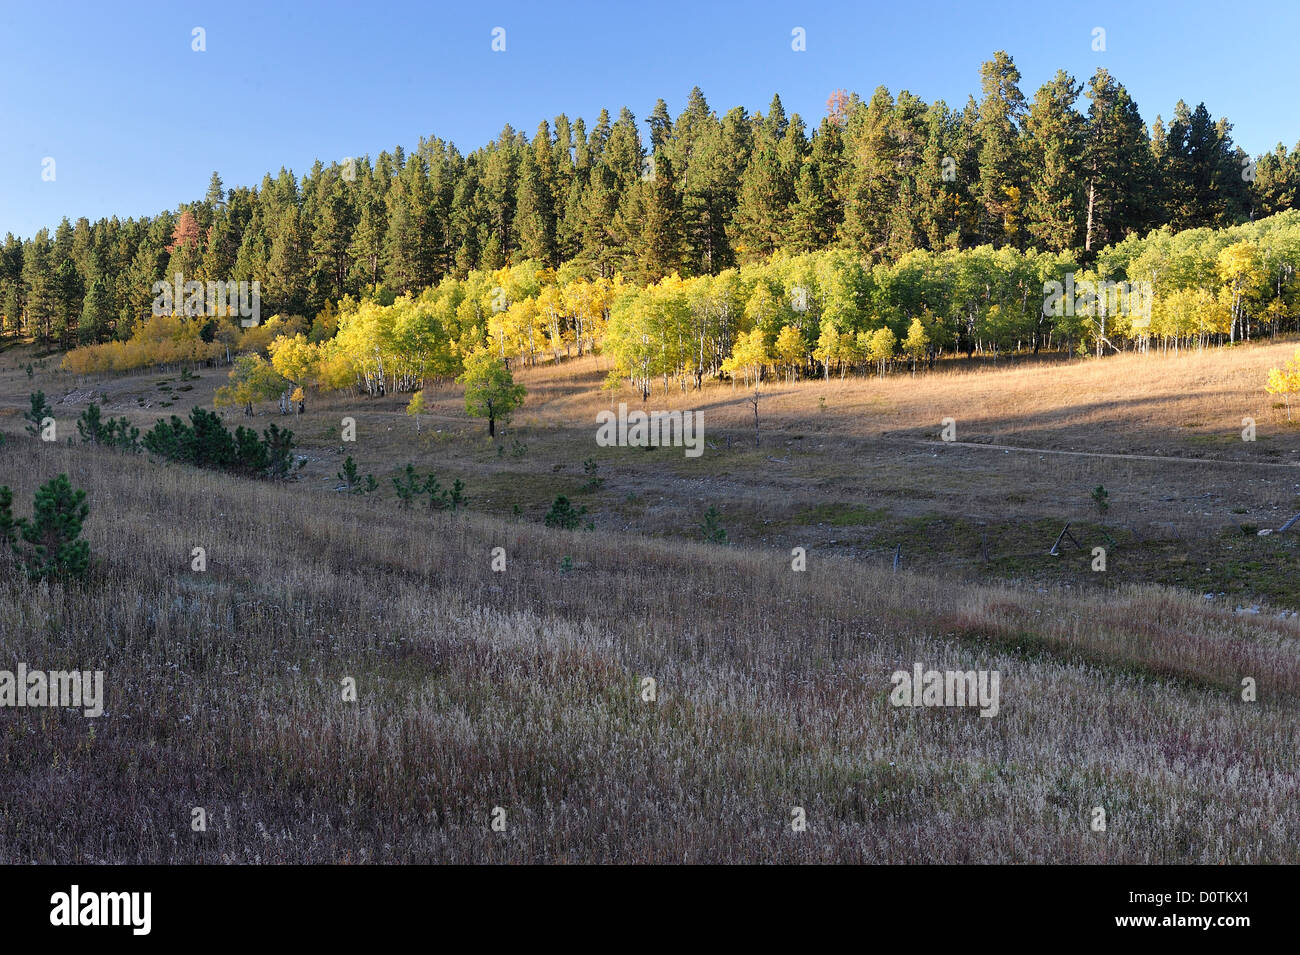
136 120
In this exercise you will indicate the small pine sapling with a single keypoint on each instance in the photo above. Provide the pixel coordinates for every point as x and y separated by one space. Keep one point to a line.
36 415
52 534
711 528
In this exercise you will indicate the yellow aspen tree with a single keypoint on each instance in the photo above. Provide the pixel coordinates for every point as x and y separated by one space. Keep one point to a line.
917 343
828 348
1285 381
415 408
790 349
881 348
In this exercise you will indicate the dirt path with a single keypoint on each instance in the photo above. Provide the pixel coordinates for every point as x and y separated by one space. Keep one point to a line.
1102 454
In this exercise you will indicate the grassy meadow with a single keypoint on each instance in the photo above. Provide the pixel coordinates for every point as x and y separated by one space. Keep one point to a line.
523 689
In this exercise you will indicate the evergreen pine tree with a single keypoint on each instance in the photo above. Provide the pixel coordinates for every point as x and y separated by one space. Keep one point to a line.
51 535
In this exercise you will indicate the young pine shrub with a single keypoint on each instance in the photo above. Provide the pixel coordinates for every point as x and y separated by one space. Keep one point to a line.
349 477
407 486
279 453
251 458
437 494
172 439
116 433
214 445
1101 500
564 515
52 535
711 528
91 426
35 416
591 467
456 496
122 435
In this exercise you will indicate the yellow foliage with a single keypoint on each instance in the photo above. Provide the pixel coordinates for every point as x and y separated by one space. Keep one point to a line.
160 340
295 358
749 356
1285 381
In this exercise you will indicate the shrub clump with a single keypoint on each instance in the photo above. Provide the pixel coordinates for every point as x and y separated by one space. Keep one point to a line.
351 479
115 433
207 443
564 515
410 485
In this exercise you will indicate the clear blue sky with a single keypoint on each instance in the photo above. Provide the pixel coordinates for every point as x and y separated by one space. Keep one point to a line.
136 120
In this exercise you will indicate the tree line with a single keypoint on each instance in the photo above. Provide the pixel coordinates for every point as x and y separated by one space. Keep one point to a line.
1072 169
810 314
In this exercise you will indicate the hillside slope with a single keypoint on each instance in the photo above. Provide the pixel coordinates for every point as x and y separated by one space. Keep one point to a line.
521 690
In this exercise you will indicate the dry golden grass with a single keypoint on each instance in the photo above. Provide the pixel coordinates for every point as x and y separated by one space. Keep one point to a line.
1153 403
521 689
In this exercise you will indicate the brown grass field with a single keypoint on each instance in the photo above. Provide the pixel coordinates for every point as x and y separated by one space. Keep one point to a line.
522 689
